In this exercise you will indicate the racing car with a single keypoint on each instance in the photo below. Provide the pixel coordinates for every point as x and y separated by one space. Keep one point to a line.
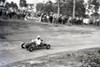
30 46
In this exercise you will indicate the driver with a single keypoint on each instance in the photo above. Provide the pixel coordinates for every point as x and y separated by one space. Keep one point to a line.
38 40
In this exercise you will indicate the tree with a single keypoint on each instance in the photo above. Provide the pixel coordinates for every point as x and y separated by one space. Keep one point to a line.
2 3
46 7
92 8
14 5
49 7
11 5
2 0
80 9
94 2
66 7
39 7
7 5
23 3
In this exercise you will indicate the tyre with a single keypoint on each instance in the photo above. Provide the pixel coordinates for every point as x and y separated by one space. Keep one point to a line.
23 45
31 49
48 46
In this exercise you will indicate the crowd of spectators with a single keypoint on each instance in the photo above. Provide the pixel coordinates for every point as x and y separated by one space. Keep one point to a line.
61 19
7 14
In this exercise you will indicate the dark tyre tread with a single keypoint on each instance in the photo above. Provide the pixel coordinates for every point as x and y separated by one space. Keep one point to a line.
48 46
30 49
22 46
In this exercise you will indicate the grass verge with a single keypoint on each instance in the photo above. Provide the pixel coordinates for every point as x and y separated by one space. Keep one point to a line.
80 58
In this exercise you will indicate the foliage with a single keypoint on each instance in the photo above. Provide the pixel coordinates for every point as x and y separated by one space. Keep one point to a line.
49 7
2 0
94 2
12 4
2 3
80 9
23 3
39 7
46 8
66 7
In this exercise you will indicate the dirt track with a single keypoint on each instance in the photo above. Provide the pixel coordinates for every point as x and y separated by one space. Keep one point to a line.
61 37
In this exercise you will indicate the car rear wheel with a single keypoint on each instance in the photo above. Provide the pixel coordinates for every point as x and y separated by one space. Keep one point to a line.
23 45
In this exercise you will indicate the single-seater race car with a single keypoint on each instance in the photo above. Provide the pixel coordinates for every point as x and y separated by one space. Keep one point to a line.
30 46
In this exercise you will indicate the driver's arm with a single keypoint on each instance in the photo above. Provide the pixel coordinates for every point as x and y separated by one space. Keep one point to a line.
41 40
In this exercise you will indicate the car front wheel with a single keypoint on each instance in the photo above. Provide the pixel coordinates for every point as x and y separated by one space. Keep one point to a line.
48 46
30 49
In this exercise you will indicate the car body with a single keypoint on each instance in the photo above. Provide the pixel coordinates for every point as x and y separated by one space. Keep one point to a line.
30 46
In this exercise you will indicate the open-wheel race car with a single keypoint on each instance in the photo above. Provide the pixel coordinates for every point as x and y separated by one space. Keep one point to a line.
30 46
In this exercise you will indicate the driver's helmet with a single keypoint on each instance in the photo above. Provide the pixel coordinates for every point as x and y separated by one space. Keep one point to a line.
38 36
